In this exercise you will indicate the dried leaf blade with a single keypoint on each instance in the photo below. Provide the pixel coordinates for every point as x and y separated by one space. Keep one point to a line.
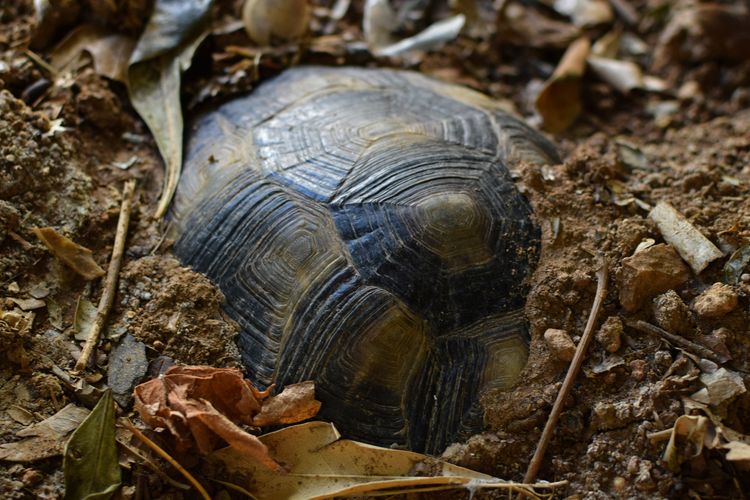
75 256
164 51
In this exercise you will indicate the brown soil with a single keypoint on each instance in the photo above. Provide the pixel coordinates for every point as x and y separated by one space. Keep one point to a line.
618 155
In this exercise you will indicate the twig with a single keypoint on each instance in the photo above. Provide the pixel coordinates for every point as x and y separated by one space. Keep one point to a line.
153 466
110 283
575 366
166 456
40 62
697 349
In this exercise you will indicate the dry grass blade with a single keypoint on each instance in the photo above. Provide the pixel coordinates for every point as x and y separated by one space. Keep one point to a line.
110 283
575 366
166 456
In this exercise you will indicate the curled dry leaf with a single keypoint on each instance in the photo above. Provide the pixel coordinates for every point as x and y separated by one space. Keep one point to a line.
624 75
74 255
559 102
165 49
585 13
110 52
269 20
200 404
380 19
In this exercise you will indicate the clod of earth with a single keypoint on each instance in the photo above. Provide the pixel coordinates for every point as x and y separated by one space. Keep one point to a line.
366 232
716 301
650 272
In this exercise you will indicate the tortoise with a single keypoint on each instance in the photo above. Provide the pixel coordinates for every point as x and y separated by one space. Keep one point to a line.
367 234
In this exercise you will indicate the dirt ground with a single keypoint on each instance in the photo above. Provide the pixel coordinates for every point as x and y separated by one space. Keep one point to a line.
68 142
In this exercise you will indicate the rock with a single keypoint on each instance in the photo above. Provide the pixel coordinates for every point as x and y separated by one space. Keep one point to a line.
648 273
717 301
610 334
672 314
560 343
720 386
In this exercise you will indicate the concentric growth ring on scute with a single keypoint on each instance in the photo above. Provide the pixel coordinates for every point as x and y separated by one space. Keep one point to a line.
366 232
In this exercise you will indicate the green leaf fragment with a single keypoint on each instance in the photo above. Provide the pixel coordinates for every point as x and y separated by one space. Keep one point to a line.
90 462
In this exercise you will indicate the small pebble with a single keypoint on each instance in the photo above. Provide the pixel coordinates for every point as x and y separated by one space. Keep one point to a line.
560 343
610 334
619 483
650 272
638 369
31 477
715 302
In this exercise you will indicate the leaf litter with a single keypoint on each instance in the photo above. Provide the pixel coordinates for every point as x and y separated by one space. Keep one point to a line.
201 406
704 182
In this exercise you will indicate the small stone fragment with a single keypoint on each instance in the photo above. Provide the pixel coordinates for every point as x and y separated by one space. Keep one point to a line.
610 334
648 273
638 369
672 314
720 386
560 343
695 248
717 301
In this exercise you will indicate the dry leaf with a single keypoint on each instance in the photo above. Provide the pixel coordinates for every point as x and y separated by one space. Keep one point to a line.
738 451
46 438
705 32
295 403
624 75
689 435
74 255
559 102
166 47
380 19
585 13
321 465
200 404
28 304
110 52
525 26
84 318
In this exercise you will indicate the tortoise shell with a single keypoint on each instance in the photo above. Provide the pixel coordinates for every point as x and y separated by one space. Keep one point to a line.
366 232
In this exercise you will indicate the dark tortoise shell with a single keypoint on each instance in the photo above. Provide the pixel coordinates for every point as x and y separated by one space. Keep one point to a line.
366 232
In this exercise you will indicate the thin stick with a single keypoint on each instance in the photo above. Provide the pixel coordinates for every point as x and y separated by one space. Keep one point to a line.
575 366
166 456
698 349
110 283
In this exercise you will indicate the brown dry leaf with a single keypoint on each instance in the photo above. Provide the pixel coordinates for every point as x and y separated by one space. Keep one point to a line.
526 26
45 439
689 435
321 465
705 32
559 102
295 403
200 404
74 255
110 52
